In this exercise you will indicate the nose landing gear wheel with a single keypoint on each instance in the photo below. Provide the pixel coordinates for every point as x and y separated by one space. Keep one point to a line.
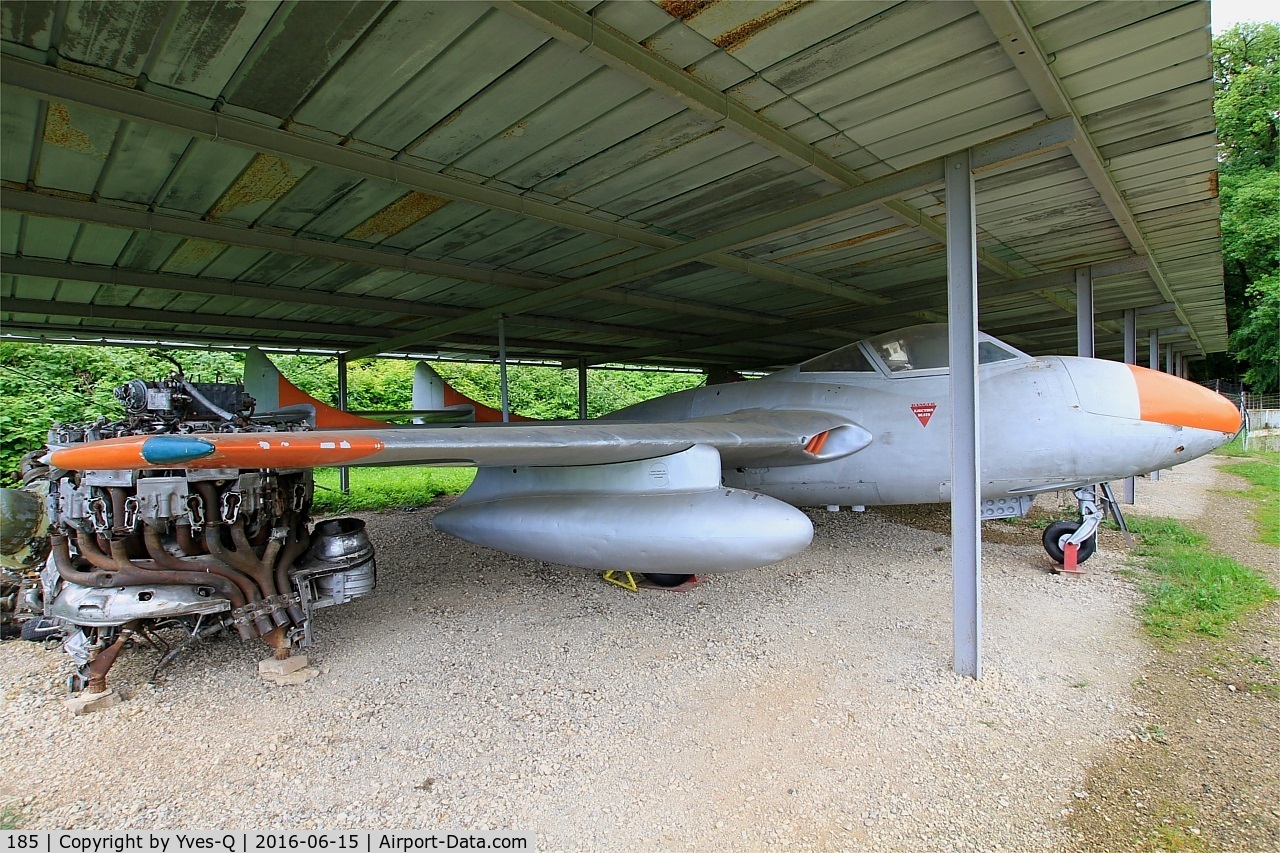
1056 535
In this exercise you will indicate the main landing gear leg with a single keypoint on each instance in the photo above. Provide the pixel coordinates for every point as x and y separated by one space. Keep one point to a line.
1073 542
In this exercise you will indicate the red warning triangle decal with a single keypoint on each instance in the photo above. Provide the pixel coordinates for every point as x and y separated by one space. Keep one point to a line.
923 411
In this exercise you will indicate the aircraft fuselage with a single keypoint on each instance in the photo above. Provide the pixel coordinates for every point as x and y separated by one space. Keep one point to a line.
1040 431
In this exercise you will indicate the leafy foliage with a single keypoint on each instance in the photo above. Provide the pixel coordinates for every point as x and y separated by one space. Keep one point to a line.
1257 341
550 393
1246 77
1247 109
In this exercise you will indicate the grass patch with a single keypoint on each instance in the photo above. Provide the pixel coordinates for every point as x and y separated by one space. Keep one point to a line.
1193 591
1175 838
10 818
400 487
1263 473
1234 447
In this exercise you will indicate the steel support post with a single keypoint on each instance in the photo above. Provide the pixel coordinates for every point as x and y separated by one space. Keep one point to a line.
962 319
582 389
1084 312
502 369
1153 360
1130 357
1168 358
344 473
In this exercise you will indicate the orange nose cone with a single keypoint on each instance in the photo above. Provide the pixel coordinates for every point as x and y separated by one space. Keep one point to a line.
1166 399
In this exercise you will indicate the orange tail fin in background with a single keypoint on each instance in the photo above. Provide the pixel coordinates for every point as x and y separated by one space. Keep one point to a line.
267 385
454 397
264 382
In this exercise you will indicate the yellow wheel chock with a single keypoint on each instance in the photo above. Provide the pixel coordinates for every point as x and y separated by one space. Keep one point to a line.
626 580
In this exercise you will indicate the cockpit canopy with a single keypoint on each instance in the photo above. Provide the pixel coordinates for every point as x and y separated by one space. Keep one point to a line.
905 351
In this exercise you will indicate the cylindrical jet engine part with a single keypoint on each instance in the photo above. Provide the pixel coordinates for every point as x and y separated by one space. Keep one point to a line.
340 563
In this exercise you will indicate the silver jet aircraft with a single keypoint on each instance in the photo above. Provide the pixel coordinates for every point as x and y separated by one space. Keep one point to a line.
708 480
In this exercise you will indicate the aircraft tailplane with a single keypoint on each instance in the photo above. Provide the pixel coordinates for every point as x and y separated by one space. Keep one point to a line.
273 392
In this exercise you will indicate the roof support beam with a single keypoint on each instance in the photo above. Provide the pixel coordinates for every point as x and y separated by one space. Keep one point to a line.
1019 42
571 25
253 290
58 207
327 332
179 318
1026 143
50 83
474 351
989 292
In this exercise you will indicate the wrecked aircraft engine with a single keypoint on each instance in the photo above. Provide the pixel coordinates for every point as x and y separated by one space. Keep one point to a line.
114 557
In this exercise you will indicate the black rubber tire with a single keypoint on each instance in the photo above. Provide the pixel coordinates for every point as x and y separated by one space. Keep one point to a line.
1053 535
39 629
667 581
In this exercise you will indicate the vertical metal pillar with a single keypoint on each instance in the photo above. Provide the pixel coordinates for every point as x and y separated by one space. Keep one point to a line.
962 319
1153 359
582 389
344 473
502 370
1168 358
1130 357
1084 312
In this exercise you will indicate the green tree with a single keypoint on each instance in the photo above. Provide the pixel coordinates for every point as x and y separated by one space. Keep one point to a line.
549 393
1247 108
43 384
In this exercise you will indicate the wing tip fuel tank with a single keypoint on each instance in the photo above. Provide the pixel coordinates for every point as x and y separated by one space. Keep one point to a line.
669 514
724 530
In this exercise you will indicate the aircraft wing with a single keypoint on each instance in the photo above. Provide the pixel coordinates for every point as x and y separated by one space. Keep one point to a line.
751 437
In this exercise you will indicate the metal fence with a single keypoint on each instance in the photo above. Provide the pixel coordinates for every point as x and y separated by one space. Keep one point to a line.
1260 414
1245 400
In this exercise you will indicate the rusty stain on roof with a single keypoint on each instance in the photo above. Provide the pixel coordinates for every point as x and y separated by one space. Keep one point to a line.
266 178
59 131
57 193
192 253
397 216
744 31
106 75
686 9
844 244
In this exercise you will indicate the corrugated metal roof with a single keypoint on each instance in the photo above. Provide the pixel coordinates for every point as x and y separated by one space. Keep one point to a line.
348 173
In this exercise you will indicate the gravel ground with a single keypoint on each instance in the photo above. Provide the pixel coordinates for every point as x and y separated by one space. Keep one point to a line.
1200 769
809 704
